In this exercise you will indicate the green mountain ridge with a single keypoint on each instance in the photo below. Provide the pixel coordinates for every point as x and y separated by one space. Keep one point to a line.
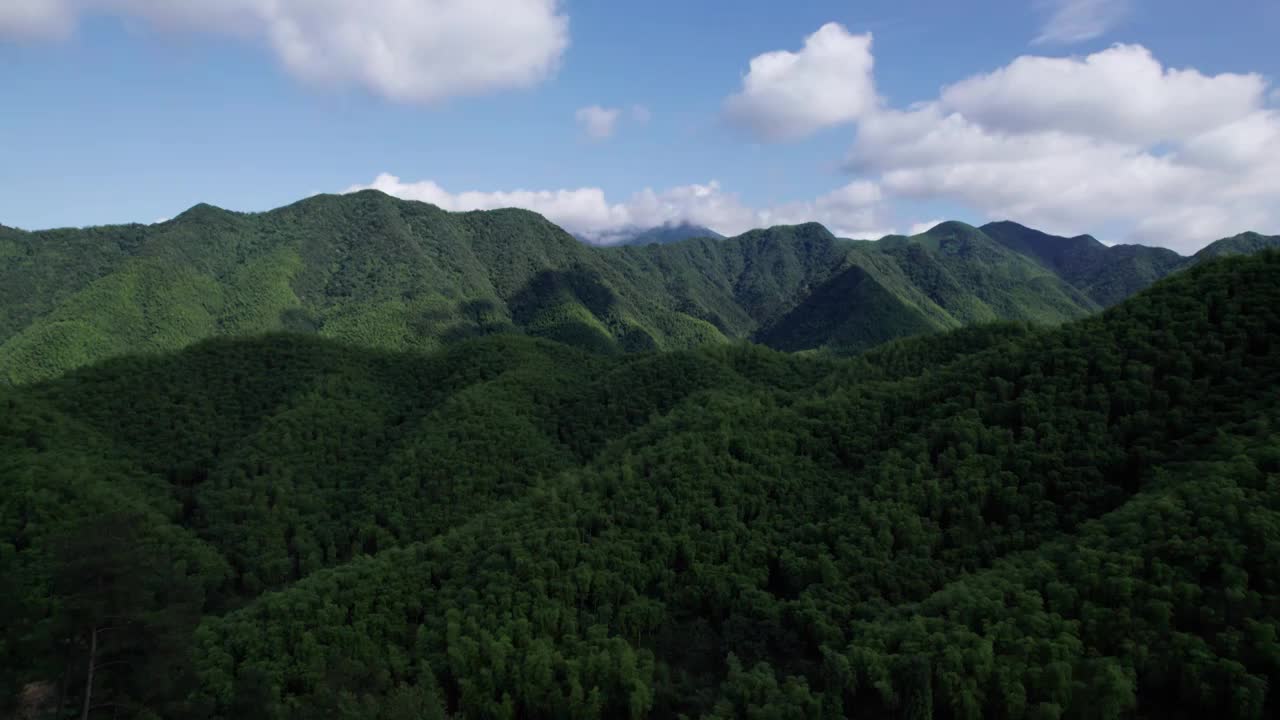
1242 244
1006 520
380 272
1107 274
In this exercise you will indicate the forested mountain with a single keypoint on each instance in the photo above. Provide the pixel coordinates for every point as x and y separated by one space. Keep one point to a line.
1107 274
384 273
1005 521
1242 244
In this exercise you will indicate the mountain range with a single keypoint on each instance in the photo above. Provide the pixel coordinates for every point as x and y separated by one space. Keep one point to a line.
372 270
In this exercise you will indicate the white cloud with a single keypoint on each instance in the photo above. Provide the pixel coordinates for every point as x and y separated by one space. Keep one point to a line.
852 210
157 221
1074 21
405 50
601 123
1073 145
1122 93
598 122
788 95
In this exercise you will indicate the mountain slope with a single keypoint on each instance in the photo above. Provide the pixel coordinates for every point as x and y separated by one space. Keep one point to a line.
384 273
1004 521
364 267
1242 244
1106 274
976 279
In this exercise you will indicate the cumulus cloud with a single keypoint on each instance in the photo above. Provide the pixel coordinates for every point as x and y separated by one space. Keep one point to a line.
787 95
405 50
1167 157
852 210
598 123
1073 21
1122 93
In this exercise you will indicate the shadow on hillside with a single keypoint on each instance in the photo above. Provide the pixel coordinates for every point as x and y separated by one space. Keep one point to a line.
548 306
849 312
299 321
468 319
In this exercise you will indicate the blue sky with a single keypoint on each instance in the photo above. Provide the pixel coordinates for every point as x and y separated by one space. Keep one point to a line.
116 111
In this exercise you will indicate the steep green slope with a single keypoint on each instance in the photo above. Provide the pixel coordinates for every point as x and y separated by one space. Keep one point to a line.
849 312
738 284
384 273
800 288
977 280
1106 274
364 268
1006 521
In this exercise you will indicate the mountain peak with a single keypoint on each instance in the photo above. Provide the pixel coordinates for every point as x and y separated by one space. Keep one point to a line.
204 212
808 229
951 227
1243 244
1021 238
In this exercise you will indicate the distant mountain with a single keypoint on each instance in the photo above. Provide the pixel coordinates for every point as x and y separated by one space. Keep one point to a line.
379 272
1242 244
664 234
950 276
1106 274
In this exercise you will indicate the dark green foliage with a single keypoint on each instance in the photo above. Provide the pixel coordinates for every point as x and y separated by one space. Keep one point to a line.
1005 521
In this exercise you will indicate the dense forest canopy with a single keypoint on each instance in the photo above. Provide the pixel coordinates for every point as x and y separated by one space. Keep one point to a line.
383 273
1005 521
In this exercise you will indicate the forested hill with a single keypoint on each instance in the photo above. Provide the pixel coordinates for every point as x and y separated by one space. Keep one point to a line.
384 273
1003 521
1107 274
1111 273
1242 244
